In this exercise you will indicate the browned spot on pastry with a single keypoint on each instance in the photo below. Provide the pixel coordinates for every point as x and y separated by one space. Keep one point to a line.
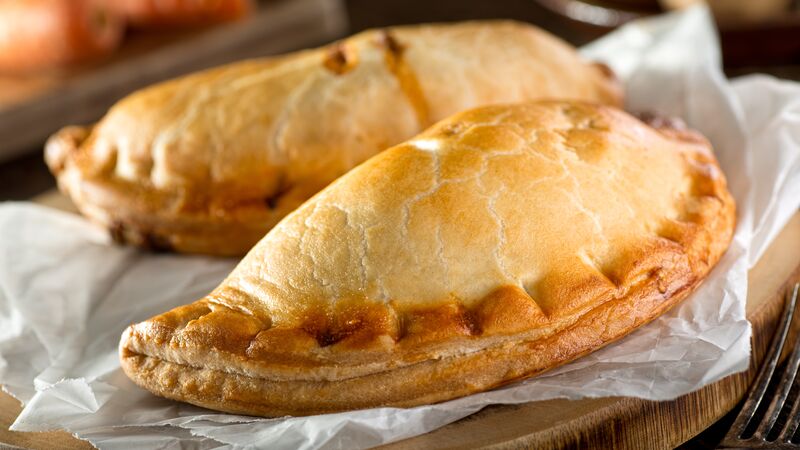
470 322
340 59
125 352
352 324
319 324
405 76
326 338
388 40
273 200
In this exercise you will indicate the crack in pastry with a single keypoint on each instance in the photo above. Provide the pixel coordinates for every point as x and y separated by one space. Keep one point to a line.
478 253
205 161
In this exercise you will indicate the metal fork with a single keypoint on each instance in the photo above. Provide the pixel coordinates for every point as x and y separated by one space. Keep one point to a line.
736 435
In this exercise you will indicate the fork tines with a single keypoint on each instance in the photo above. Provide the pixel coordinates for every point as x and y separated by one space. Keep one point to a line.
766 434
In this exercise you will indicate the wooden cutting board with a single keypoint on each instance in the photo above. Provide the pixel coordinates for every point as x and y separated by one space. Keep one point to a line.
621 423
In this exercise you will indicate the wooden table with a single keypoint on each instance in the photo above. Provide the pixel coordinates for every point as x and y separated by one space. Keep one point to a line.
624 423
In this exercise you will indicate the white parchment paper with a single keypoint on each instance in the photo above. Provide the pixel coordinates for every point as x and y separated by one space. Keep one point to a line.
66 293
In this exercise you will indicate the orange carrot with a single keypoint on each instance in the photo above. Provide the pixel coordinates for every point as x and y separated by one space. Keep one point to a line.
165 13
41 34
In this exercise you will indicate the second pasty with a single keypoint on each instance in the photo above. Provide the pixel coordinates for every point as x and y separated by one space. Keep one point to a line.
209 162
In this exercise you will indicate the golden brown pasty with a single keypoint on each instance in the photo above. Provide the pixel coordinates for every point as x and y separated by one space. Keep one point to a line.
501 242
210 162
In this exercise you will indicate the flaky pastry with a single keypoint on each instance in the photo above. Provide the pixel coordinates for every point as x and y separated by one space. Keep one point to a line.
210 162
500 243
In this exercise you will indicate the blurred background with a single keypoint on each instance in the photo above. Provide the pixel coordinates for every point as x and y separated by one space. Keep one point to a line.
66 61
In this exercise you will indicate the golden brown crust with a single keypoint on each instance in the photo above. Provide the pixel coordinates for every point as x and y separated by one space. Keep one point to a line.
501 242
209 162
426 381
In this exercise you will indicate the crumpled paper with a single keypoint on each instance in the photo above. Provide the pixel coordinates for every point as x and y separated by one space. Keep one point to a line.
66 293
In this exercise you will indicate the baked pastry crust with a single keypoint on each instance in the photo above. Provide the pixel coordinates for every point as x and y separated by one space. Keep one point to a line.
208 163
499 243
